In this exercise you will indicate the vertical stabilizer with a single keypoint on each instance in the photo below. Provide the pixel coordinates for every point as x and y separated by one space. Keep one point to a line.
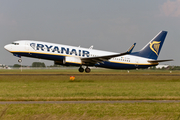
153 48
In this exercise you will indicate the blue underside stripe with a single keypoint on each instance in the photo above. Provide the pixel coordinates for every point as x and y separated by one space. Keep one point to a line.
104 65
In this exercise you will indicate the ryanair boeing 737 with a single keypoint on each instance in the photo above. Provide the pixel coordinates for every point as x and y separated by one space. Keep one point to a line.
77 56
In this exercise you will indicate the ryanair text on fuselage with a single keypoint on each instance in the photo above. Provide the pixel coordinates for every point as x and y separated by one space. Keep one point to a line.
61 50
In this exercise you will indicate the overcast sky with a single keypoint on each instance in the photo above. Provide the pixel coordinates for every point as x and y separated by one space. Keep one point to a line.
112 25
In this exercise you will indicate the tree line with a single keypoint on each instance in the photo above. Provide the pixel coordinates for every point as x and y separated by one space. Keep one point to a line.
34 64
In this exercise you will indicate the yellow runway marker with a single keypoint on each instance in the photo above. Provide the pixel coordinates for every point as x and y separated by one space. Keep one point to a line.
72 78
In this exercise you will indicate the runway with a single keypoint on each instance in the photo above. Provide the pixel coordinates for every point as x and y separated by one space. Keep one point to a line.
90 74
88 102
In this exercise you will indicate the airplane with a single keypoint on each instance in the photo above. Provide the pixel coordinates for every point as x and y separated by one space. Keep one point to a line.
78 56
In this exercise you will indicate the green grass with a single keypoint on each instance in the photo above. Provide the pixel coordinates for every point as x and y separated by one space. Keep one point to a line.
98 85
132 86
104 111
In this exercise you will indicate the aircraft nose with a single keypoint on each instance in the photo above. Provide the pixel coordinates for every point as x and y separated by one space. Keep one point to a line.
7 47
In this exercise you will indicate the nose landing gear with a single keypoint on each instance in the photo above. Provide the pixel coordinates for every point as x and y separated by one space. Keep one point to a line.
20 60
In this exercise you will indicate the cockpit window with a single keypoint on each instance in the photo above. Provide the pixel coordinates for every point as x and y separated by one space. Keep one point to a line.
15 43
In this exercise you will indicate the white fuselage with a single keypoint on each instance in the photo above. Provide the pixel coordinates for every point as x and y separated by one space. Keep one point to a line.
55 52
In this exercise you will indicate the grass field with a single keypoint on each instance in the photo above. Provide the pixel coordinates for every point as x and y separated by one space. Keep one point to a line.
98 85
126 111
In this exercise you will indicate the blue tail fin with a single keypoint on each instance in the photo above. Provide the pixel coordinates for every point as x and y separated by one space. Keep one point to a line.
153 48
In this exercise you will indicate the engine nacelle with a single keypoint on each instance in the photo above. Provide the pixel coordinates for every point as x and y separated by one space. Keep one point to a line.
60 62
69 60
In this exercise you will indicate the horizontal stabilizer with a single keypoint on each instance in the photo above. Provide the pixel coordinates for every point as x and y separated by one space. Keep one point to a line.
153 61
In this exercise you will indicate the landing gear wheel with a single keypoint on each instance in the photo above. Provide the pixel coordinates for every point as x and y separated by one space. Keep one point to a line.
81 69
20 60
87 70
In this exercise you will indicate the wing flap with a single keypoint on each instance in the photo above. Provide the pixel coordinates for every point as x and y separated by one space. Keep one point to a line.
94 60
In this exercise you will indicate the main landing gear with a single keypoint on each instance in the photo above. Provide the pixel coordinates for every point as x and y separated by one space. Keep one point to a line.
81 69
87 70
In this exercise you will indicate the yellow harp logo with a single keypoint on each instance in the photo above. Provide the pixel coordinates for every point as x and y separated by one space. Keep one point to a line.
155 46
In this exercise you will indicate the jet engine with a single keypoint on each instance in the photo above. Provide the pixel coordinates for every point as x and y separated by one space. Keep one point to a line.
69 60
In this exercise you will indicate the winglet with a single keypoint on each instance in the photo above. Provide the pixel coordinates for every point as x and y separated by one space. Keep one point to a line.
131 48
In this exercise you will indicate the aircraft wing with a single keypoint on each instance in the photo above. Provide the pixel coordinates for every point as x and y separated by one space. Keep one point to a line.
94 60
155 61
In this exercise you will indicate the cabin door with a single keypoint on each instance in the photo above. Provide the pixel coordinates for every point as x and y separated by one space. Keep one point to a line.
27 47
136 62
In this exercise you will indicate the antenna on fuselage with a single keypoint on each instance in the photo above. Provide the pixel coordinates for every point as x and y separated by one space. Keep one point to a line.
91 47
